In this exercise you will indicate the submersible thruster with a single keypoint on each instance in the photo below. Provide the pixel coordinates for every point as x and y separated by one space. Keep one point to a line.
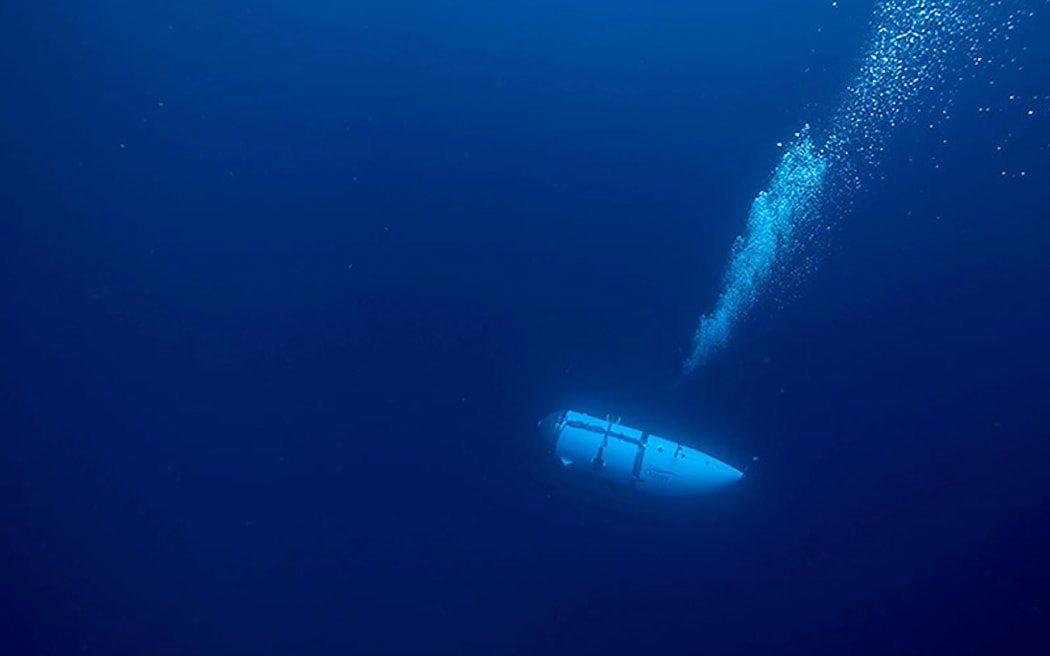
632 457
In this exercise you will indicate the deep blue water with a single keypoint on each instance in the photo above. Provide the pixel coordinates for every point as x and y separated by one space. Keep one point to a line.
287 285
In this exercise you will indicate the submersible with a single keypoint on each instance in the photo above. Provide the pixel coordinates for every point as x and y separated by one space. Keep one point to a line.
633 457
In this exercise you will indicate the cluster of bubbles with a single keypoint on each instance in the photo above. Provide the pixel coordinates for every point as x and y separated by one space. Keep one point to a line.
916 47
777 214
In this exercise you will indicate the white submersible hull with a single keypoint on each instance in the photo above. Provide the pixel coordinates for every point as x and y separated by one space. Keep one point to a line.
634 458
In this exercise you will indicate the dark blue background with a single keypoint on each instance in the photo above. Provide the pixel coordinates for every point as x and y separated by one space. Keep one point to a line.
286 286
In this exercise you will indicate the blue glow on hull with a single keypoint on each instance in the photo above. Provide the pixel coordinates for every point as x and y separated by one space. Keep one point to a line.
634 458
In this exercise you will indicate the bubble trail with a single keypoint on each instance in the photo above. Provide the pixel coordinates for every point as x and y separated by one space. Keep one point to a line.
913 44
777 213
